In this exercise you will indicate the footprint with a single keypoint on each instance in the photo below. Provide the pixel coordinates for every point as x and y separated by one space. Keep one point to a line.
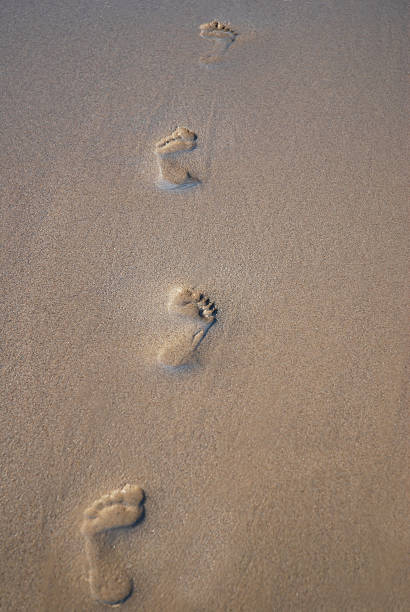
195 307
109 582
171 174
222 36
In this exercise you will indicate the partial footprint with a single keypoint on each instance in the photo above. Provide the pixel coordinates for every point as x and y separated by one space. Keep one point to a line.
201 314
171 174
109 582
222 36
181 139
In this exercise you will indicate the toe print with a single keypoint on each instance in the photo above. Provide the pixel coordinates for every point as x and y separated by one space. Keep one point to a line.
180 139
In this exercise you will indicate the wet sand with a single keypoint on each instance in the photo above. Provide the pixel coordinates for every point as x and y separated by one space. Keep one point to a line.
274 466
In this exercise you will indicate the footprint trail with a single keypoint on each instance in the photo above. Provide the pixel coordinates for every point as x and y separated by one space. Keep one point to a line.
109 582
200 314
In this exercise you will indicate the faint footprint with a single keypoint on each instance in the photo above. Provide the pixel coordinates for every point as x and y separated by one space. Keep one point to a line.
171 174
222 36
195 307
108 578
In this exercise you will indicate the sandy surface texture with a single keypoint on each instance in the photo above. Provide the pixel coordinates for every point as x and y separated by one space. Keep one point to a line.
204 270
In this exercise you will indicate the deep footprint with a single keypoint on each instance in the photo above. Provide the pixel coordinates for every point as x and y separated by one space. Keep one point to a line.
201 314
172 176
109 582
222 36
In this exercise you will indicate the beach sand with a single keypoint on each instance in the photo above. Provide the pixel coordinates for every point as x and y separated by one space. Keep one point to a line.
274 463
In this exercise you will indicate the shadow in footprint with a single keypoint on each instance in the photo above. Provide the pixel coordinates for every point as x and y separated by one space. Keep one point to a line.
174 177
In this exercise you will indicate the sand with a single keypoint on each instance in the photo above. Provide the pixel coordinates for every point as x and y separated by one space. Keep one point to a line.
273 464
